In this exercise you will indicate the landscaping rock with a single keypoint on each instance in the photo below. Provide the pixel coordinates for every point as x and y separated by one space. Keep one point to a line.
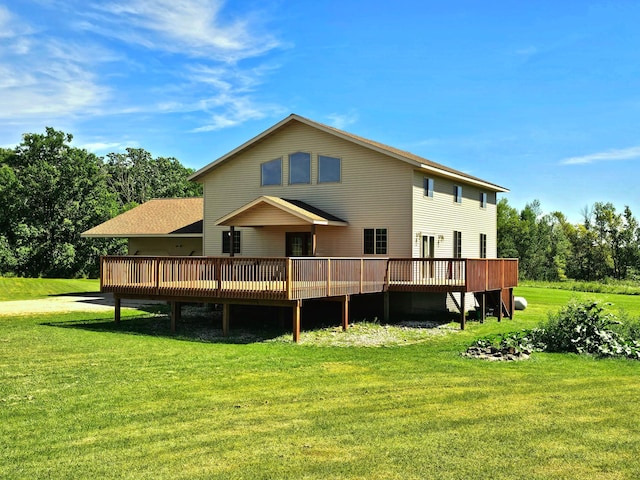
520 303
494 354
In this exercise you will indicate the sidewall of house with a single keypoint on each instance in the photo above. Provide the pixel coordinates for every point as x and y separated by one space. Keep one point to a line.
159 246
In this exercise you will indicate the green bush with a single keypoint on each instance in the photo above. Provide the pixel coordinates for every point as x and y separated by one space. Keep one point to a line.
580 327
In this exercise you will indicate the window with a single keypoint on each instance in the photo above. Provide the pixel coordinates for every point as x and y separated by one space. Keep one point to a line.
375 241
427 184
271 172
457 244
457 193
299 168
226 241
483 245
483 200
328 169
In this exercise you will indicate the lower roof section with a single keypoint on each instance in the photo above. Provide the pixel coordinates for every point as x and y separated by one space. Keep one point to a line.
160 217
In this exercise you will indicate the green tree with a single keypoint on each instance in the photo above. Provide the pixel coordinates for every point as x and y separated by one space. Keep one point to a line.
57 192
136 177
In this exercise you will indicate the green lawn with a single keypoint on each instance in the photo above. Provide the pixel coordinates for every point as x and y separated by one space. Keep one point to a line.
81 398
27 288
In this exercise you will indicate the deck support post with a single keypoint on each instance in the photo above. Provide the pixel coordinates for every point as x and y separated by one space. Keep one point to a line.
116 313
385 313
512 303
483 307
226 314
296 320
463 313
345 313
500 305
176 313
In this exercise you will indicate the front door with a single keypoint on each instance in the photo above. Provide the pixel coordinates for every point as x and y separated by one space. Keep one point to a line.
298 244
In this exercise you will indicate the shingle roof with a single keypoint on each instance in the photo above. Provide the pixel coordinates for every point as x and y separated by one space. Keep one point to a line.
157 217
416 160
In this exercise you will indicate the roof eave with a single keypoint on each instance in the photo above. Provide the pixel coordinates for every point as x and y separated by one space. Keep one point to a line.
141 235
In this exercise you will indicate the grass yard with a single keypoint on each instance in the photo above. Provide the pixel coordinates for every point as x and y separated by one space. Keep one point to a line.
81 398
28 288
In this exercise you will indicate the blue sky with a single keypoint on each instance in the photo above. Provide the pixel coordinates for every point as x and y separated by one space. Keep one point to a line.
541 97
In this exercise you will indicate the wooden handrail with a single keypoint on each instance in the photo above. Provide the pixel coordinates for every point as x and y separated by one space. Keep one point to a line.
298 278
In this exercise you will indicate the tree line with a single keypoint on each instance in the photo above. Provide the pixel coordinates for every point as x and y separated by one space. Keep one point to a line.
50 192
605 244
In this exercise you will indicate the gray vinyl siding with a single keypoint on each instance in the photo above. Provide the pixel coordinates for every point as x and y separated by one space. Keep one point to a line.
374 192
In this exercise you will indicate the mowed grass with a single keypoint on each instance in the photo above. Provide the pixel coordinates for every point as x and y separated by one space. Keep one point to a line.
81 398
32 288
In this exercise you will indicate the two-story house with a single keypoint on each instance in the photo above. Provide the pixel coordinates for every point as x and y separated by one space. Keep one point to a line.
304 189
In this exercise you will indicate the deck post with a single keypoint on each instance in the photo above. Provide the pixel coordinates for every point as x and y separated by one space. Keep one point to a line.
226 314
500 305
116 303
313 239
483 307
288 277
385 314
463 314
345 313
296 321
176 310
512 303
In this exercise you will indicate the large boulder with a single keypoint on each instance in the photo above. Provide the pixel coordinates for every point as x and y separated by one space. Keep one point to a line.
520 303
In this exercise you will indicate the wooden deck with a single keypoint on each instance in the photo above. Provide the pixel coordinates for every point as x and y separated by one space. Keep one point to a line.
288 281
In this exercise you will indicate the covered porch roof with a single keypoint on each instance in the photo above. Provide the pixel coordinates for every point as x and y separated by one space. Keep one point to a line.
267 210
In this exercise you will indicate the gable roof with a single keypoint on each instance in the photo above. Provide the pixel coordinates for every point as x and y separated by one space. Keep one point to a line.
419 162
160 217
264 210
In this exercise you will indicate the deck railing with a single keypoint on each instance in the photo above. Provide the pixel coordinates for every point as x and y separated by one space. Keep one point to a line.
452 274
299 278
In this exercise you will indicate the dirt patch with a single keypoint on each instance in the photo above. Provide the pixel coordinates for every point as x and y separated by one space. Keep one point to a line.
86 302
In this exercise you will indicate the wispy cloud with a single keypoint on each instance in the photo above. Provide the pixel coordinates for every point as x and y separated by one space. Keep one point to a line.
343 120
134 57
106 147
630 153
192 27
62 85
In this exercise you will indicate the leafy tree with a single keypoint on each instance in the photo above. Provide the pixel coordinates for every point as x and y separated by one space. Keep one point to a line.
56 192
136 177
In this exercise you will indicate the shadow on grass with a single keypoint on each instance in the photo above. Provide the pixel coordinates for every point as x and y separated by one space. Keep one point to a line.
107 300
192 327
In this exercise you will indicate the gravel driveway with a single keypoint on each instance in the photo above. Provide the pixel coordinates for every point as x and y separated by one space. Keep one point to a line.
88 302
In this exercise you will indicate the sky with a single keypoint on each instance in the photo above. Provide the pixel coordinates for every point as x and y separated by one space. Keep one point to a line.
541 97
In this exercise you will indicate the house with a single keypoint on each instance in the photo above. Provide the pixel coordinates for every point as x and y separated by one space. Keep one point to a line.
162 227
423 233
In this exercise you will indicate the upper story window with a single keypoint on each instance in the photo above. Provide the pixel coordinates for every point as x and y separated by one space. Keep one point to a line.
427 185
457 193
483 200
328 169
299 168
271 172
375 241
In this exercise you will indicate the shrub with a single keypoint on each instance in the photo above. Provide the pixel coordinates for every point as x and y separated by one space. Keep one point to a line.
580 327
